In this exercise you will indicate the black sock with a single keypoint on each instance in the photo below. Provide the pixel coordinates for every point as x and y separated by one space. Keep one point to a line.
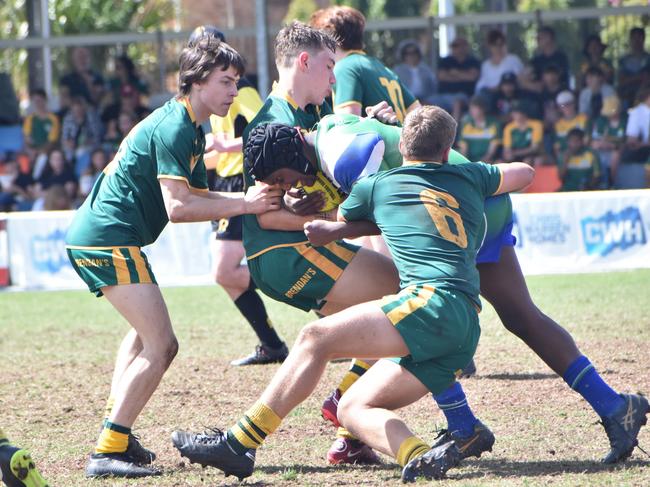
252 307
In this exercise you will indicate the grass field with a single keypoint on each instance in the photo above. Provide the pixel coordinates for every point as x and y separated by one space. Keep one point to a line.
57 351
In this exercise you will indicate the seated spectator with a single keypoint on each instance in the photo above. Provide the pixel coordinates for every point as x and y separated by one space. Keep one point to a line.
457 76
129 101
58 171
579 167
633 68
522 138
496 65
41 129
607 134
551 87
569 119
547 54
98 162
56 199
65 100
16 188
126 75
480 134
82 80
592 95
414 72
507 94
637 131
117 130
593 52
81 133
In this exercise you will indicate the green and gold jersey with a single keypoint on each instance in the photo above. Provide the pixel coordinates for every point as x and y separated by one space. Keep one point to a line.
278 108
431 217
364 80
563 126
602 129
581 168
125 206
515 137
478 137
42 130
243 109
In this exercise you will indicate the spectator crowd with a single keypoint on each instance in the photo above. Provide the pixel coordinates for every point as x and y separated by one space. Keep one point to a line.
586 122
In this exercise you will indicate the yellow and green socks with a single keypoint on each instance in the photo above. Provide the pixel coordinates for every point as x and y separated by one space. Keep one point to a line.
253 428
357 369
411 448
113 438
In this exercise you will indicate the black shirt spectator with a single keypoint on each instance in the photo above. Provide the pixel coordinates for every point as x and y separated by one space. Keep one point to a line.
459 72
83 81
549 54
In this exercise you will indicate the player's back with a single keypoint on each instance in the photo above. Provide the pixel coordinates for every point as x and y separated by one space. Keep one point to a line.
431 216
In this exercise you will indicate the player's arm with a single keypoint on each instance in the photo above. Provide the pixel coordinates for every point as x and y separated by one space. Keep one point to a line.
353 108
321 232
514 176
186 205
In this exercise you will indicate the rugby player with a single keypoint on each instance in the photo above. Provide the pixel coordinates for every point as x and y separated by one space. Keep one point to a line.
432 324
224 155
158 175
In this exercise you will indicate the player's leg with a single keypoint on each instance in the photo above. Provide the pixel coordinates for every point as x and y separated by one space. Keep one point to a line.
504 286
17 469
360 330
130 348
227 255
142 305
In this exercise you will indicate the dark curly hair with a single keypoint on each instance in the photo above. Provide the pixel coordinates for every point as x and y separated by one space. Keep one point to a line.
273 146
202 57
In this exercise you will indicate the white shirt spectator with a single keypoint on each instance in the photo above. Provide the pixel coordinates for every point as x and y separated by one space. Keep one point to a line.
638 123
491 73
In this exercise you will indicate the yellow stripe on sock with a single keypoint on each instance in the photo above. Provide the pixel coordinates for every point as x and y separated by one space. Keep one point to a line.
346 382
258 419
264 417
111 442
243 438
140 266
410 448
343 433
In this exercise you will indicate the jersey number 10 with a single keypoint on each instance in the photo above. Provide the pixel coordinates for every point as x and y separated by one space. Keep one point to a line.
395 95
439 214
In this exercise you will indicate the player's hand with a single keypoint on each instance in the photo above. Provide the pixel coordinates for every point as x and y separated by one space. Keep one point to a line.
304 204
383 112
260 199
321 232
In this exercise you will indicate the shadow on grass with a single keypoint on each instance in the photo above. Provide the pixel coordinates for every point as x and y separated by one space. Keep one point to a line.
535 376
505 468
306 469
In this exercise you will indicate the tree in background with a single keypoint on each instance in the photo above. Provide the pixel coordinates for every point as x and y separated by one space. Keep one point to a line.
300 10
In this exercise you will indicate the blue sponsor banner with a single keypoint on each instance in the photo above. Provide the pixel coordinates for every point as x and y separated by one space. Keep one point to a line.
547 229
614 230
48 252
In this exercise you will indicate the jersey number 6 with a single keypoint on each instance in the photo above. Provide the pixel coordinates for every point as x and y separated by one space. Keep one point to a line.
439 213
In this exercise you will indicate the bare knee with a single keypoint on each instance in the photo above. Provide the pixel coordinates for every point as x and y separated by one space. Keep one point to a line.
311 340
168 351
349 408
224 274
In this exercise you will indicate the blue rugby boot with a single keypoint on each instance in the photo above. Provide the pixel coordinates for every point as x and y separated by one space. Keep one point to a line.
623 427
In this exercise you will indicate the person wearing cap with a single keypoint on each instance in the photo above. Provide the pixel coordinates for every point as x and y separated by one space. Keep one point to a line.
596 90
508 92
579 167
593 53
224 156
414 72
569 118
522 138
607 134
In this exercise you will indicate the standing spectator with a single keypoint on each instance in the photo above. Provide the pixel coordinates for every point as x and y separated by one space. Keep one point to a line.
633 67
522 138
637 143
82 80
579 166
457 75
480 134
607 134
569 119
81 133
58 171
496 65
595 91
547 53
414 72
593 52
41 130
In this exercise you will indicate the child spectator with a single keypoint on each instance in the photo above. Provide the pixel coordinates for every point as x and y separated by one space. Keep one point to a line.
592 95
593 52
414 73
58 171
41 130
633 67
480 135
98 162
637 131
81 133
607 134
496 65
579 166
522 138
569 119
457 76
